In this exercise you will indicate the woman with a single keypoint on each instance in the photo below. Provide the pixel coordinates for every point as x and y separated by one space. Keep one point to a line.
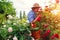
32 16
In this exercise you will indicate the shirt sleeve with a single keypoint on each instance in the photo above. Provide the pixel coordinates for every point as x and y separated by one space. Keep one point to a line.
30 16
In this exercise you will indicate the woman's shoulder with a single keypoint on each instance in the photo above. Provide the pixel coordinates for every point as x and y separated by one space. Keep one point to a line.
31 12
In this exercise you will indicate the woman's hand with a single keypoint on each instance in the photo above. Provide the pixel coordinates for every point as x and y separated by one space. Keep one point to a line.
38 18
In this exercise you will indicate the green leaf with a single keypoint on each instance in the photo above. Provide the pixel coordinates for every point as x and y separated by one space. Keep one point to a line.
3 33
21 37
35 29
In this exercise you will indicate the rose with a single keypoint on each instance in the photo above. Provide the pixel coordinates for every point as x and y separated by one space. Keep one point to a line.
10 16
52 37
57 1
36 34
46 33
45 25
56 35
33 25
15 38
14 23
10 29
10 36
4 25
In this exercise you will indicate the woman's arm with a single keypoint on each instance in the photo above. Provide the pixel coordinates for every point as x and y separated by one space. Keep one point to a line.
38 18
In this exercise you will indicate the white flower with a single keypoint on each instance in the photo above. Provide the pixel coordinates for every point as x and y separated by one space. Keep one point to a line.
8 21
14 23
9 16
15 38
33 38
7 39
10 29
54 12
2 22
27 21
30 34
10 36
4 25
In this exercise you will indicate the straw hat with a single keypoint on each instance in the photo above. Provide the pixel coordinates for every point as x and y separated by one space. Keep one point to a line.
36 5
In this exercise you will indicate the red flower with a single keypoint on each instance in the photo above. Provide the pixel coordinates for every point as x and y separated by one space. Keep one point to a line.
48 31
33 25
52 37
38 18
57 1
45 25
36 34
46 34
42 36
56 35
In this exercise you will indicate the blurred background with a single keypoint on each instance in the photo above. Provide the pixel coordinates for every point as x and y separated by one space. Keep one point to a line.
19 28
25 5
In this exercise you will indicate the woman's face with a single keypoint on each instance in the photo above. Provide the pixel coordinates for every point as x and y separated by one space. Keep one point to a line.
36 9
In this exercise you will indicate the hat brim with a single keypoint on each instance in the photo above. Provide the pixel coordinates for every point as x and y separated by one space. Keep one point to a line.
35 7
